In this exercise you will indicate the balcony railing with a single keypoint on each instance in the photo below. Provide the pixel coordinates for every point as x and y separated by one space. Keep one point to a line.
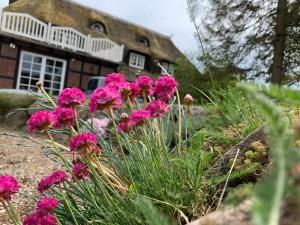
27 26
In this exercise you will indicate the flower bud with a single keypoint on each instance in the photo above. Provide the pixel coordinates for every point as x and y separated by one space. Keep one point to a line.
188 99
124 117
39 84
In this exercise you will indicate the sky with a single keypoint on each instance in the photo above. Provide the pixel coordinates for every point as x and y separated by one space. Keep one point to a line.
168 17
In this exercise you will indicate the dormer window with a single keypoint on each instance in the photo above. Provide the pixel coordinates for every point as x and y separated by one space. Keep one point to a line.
144 41
169 67
137 61
98 27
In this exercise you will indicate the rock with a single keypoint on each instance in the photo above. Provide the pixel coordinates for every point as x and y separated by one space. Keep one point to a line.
233 216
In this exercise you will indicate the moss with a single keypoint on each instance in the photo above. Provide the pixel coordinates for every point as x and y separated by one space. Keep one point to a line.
9 102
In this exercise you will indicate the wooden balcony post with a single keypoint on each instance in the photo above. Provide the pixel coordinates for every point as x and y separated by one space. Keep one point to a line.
47 37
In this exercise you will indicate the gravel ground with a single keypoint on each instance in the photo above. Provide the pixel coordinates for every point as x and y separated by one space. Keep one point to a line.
26 160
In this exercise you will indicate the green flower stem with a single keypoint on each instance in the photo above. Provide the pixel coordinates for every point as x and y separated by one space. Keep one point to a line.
120 144
76 117
11 213
68 205
179 123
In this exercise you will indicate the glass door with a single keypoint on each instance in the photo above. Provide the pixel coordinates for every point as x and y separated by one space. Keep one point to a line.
48 70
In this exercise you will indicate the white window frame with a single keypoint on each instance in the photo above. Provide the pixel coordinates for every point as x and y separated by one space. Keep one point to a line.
137 60
169 67
43 68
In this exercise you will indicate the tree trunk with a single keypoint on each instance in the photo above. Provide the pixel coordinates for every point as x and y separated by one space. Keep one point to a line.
279 43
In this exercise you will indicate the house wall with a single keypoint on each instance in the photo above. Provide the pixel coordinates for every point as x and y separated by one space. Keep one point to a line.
8 61
78 71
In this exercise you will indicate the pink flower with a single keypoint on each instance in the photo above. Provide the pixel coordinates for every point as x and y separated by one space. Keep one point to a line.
104 98
37 219
139 118
114 77
80 170
65 117
57 177
70 97
41 120
8 186
47 205
31 219
145 85
84 143
124 127
99 125
157 108
165 88
49 219
135 90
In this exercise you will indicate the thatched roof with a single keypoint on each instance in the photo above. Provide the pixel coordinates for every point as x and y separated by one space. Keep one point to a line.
71 14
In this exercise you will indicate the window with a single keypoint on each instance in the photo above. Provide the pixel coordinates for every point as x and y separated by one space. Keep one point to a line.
137 60
98 27
144 41
168 67
33 68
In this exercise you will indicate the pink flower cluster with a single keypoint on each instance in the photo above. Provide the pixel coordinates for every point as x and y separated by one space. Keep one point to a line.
57 177
157 108
8 186
64 117
80 171
114 77
165 88
71 97
105 98
44 212
84 143
41 120
145 85
35 219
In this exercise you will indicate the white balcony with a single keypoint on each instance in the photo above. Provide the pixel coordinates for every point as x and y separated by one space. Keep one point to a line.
27 26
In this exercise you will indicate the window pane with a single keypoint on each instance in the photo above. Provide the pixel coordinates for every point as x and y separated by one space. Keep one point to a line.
35 75
58 71
36 67
49 69
48 77
37 59
50 62
56 85
26 65
25 73
33 82
57 78
47 84
24 80
27 57
59 64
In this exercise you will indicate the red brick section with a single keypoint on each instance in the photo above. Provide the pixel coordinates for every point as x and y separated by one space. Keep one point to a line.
85 80
6 50
73 79
91 68
75 65
106 70
6 83
7 67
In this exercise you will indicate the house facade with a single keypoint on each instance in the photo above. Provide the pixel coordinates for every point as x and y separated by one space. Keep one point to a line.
63 44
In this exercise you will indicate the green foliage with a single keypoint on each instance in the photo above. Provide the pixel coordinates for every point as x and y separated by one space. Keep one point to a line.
267 204
152 216
190 79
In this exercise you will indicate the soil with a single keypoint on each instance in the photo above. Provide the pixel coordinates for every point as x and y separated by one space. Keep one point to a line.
28 162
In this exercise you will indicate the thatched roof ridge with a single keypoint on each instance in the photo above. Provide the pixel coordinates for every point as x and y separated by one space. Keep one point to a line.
71 14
